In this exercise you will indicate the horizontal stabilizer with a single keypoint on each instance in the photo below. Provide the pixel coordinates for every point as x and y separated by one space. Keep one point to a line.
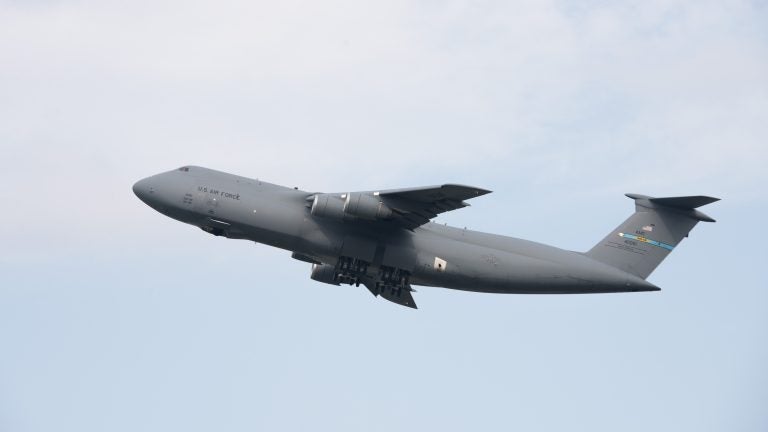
687 204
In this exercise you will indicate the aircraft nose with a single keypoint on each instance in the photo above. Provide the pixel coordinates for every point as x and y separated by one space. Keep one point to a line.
144 189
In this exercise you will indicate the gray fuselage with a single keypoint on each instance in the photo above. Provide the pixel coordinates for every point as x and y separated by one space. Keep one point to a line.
433 254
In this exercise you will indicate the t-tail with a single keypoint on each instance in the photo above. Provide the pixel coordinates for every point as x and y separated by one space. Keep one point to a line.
658 225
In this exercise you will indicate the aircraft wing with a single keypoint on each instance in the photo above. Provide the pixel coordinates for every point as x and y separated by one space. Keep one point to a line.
416 206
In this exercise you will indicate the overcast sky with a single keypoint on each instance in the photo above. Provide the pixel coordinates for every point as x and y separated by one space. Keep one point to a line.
113 317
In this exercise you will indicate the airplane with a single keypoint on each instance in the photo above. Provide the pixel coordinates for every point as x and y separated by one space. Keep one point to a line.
385 239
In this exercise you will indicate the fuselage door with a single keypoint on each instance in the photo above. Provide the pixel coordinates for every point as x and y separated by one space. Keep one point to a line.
211 204
206 202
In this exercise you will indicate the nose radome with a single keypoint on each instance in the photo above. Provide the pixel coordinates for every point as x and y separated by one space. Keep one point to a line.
143 189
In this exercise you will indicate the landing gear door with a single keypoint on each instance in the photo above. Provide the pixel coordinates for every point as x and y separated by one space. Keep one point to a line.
401 296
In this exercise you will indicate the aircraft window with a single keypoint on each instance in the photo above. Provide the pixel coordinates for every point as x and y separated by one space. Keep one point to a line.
185 169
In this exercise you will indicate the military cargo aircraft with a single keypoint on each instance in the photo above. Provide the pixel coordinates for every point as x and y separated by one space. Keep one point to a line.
385 241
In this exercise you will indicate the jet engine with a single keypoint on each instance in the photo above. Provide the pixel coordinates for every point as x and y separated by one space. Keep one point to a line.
350 206
324 273
366 206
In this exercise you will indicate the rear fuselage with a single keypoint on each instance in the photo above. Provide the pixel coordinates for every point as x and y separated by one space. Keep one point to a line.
432 254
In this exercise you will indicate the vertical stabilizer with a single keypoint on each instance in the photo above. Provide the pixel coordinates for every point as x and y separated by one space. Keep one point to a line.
641 243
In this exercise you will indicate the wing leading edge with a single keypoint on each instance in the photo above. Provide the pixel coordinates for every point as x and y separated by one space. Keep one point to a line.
414 207
409 208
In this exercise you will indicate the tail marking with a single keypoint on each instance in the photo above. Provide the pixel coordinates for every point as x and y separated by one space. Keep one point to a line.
667 219
663 245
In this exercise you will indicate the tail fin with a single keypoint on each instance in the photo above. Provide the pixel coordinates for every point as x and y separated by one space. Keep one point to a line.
639 244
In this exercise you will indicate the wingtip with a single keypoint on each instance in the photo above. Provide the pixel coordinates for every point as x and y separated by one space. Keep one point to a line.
464 186
635 196
478 191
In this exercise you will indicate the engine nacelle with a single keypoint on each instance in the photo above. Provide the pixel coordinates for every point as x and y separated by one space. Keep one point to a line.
366 206
351 206
324 273
328 206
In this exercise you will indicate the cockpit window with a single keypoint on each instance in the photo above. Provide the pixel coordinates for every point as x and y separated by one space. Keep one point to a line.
185 169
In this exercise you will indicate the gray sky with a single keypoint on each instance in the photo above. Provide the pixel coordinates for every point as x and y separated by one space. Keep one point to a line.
113 317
